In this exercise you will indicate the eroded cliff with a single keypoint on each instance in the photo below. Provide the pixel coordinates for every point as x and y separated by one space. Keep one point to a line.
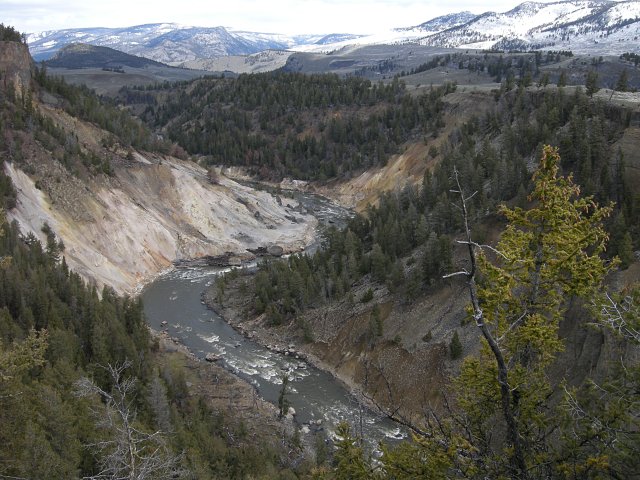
124 229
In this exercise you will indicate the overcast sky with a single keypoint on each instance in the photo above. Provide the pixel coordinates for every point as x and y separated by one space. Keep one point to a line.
280 16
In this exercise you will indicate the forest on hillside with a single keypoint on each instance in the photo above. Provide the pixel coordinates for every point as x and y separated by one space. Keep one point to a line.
312 127
22 123
405 245
405 242
504 416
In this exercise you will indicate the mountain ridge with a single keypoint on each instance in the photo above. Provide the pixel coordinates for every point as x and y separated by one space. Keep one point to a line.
584 26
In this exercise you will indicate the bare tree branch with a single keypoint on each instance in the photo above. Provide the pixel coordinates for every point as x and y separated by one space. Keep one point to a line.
130 453
455 274
614 315
517 458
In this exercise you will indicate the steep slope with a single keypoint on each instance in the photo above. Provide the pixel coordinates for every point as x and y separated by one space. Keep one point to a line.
408 167
122 231
15 65
439 24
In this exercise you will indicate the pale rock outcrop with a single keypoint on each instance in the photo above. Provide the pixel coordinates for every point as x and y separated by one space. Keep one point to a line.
129 228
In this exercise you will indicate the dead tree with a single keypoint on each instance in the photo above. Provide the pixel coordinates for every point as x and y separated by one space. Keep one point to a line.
128 452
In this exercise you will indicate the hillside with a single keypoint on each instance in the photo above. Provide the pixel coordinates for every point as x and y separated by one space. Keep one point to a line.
97 188
332 126
81 374
373 306
82 55
264 61
584 26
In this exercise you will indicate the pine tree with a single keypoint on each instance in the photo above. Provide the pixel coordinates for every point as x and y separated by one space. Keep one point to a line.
349 457
591 83
545 256
562 80
622 85
455 347
283 402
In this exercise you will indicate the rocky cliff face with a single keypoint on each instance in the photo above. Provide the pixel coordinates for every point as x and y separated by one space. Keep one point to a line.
16 66
122 230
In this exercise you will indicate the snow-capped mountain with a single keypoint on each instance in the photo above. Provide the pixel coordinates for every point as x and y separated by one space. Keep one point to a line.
163 42
439 24
594 26
579 25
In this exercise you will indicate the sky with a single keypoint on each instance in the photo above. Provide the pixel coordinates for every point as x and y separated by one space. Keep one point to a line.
272 16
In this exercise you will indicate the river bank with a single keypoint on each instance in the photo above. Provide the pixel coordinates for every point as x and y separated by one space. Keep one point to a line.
237 401
284 339
174 303
398 369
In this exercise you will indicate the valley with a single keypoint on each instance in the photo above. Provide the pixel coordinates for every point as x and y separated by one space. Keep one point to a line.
324 251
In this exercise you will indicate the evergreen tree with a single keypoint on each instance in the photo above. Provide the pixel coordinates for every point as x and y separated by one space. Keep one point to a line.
622 85
455 347
591 83
349 457
546 254
283 402
562 80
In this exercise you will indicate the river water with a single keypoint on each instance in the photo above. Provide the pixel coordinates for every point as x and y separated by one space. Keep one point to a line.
315 395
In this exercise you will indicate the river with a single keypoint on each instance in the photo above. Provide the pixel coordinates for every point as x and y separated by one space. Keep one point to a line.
175 298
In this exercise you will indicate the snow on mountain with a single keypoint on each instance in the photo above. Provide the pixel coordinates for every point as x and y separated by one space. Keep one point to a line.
579 25
163 42
439 24
336 38
593 26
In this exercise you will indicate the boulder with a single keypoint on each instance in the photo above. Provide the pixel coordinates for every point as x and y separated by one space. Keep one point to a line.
211 357
227 259
275 250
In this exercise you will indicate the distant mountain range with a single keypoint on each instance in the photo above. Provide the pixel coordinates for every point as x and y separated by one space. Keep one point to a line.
588 26
166 42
